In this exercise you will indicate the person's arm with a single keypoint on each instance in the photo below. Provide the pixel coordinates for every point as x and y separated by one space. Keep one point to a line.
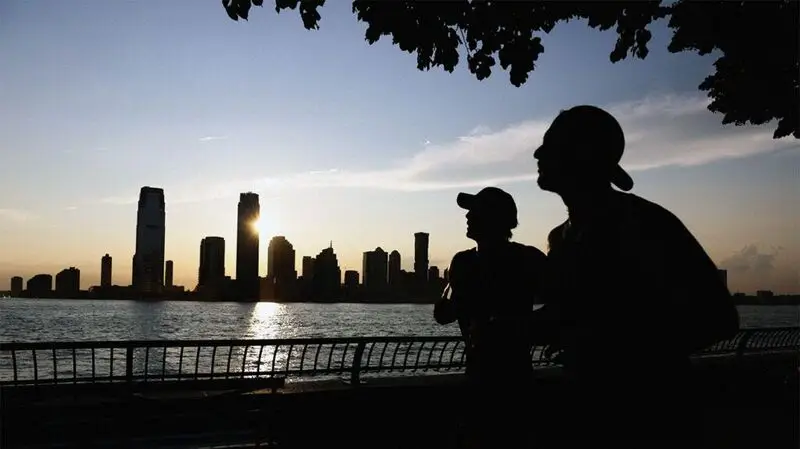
704 309
444 311
543 322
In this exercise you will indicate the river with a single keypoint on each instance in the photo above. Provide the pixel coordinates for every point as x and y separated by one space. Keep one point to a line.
81 320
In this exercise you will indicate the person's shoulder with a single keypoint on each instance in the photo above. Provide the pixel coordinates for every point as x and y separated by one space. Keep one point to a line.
462 257
556 235
648 212
528 251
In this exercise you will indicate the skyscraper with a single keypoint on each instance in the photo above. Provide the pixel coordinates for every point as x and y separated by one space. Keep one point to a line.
281 259
148 260
68 281
16 286
308 268
395 269
247 246
168 272
374 269
281 271
212 261
105 271
327 281
421 256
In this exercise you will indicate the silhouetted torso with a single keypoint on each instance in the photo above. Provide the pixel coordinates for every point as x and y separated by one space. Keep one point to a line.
634 280
494 294
631 294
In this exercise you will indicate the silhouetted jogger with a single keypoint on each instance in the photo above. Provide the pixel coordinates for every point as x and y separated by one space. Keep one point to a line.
491 294
630 294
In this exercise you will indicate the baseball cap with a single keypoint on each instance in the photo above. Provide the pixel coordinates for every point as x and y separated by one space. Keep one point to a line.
492 200
601 138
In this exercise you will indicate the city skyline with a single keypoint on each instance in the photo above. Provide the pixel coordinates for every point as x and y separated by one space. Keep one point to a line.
211 267
342 141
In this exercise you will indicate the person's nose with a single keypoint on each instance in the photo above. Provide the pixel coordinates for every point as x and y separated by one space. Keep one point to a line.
537 153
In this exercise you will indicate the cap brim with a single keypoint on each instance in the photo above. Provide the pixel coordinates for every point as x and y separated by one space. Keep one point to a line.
621 179
465 200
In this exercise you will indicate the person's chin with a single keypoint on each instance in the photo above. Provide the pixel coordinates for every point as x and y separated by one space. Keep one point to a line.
545 184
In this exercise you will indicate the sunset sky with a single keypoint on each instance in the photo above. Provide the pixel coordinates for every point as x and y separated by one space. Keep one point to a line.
344 141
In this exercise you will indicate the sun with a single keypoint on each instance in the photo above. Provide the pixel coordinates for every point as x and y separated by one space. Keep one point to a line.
264 227
260 226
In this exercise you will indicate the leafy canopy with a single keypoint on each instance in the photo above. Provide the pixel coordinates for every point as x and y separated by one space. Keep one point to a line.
755 79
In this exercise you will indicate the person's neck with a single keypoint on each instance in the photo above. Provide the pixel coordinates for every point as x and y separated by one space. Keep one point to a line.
583 205
490 245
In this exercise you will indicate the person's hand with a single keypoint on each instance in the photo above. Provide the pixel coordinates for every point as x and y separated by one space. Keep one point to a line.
551 352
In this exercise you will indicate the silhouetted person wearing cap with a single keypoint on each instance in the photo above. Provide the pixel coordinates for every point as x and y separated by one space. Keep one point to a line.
491 295
630 294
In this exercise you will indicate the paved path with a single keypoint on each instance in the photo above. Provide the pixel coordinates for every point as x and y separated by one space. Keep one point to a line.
753 407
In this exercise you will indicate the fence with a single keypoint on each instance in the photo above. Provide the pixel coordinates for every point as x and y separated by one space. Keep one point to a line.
54 363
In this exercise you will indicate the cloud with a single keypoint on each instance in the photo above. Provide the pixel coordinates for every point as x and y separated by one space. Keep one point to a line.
751 260
661 130
15 215
116 200
210 138
752 269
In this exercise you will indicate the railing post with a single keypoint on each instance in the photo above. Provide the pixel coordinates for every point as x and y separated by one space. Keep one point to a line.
129 364
740 348
355 369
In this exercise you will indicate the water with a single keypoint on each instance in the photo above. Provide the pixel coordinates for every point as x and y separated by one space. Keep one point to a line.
80 320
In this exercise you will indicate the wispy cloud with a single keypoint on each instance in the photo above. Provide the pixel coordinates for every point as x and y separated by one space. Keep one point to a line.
210 138
661 130
15 215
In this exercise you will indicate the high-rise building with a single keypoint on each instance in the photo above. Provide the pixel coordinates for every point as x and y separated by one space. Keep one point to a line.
105 271
168 273
308 268
68 281
40 285
247 279
327 281
212 261
395 269
16 286
351 279
281 260
148 260
421 240
374 269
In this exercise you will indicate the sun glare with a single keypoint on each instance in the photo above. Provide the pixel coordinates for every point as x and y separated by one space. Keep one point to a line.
266 229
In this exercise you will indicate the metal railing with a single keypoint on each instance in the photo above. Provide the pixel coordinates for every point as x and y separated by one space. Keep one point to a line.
55 363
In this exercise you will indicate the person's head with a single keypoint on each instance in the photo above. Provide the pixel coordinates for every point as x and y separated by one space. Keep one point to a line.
492 214
581 151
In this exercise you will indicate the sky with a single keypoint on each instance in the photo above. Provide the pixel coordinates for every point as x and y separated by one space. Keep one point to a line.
344 142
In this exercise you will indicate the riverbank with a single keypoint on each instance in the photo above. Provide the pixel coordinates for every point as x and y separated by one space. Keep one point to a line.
739 300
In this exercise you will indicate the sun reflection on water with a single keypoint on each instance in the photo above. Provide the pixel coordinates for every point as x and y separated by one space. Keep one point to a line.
270 320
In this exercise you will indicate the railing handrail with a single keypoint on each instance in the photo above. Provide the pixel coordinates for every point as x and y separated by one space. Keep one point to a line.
149 360
88 344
